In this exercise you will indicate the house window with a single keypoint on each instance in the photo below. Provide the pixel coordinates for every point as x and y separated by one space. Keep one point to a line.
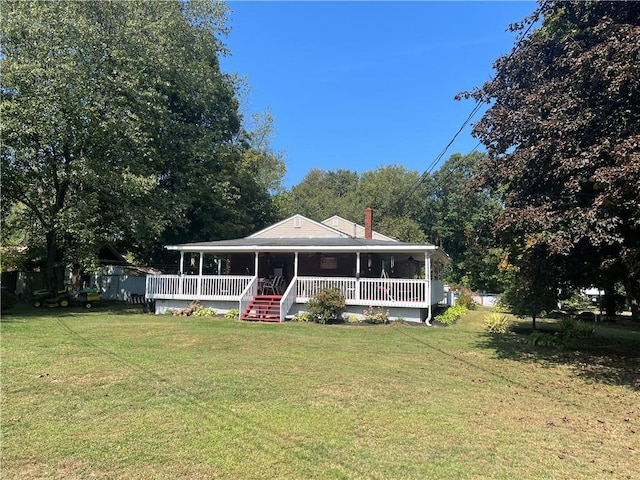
328 263
296 222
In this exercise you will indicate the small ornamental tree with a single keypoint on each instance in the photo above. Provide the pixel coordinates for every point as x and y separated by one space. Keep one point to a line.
327 305
533 287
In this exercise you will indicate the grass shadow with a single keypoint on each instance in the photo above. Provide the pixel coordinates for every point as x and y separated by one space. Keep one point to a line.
25 310
611 356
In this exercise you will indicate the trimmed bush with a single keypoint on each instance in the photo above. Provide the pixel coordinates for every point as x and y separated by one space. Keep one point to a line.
326 306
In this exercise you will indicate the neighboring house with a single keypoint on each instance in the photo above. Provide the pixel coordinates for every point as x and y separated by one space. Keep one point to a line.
271 274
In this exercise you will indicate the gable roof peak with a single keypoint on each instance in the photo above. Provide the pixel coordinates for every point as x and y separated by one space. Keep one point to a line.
298 226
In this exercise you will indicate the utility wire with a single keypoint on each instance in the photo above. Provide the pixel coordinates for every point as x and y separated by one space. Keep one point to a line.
475 110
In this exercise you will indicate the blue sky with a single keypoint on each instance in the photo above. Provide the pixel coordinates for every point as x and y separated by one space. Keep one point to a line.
360 85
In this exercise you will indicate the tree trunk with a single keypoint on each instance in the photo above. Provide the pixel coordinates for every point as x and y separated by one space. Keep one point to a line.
608 302
632 287
533 318
54 268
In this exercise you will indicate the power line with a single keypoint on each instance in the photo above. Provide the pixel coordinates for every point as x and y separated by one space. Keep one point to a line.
478 106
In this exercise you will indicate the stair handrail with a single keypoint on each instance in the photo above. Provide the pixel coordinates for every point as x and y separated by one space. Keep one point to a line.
288 298
248 294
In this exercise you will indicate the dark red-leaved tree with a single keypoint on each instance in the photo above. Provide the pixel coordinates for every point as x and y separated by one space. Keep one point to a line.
563 137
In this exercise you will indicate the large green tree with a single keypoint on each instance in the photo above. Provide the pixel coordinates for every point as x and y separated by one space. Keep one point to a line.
118 125
461 222
563 137
322 194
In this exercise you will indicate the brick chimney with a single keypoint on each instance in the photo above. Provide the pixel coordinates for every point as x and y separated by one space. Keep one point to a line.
368 223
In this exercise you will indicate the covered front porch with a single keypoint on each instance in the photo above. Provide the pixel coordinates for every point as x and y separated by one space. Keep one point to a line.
404 281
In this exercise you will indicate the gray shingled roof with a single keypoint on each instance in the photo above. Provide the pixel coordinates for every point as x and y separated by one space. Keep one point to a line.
328 245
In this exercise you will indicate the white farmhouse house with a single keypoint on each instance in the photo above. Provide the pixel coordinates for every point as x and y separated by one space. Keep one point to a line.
270 275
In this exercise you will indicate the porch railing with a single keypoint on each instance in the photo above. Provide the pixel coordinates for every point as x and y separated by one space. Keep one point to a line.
196 287
364 291
368 291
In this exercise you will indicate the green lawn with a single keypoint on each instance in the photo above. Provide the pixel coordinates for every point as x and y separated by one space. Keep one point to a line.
120 394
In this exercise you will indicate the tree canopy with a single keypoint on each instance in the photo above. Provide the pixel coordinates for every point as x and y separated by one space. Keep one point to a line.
461 221
322 194
118 126
563 138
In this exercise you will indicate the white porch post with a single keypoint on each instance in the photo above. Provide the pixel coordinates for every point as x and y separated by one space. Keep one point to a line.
200 268
427 274
255 264
357 275
295 265
181 276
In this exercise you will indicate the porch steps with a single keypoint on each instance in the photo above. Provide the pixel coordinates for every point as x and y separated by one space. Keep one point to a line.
263 308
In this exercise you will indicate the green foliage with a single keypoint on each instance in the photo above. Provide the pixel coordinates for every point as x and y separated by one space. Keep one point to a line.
466 301
544 339
302 317
451 314
575 303
572 328
195 309
322 194
377 315
9 300
497 323
233 314
123 104
353 319
400 321
461 221
326 306
533 287
571 332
